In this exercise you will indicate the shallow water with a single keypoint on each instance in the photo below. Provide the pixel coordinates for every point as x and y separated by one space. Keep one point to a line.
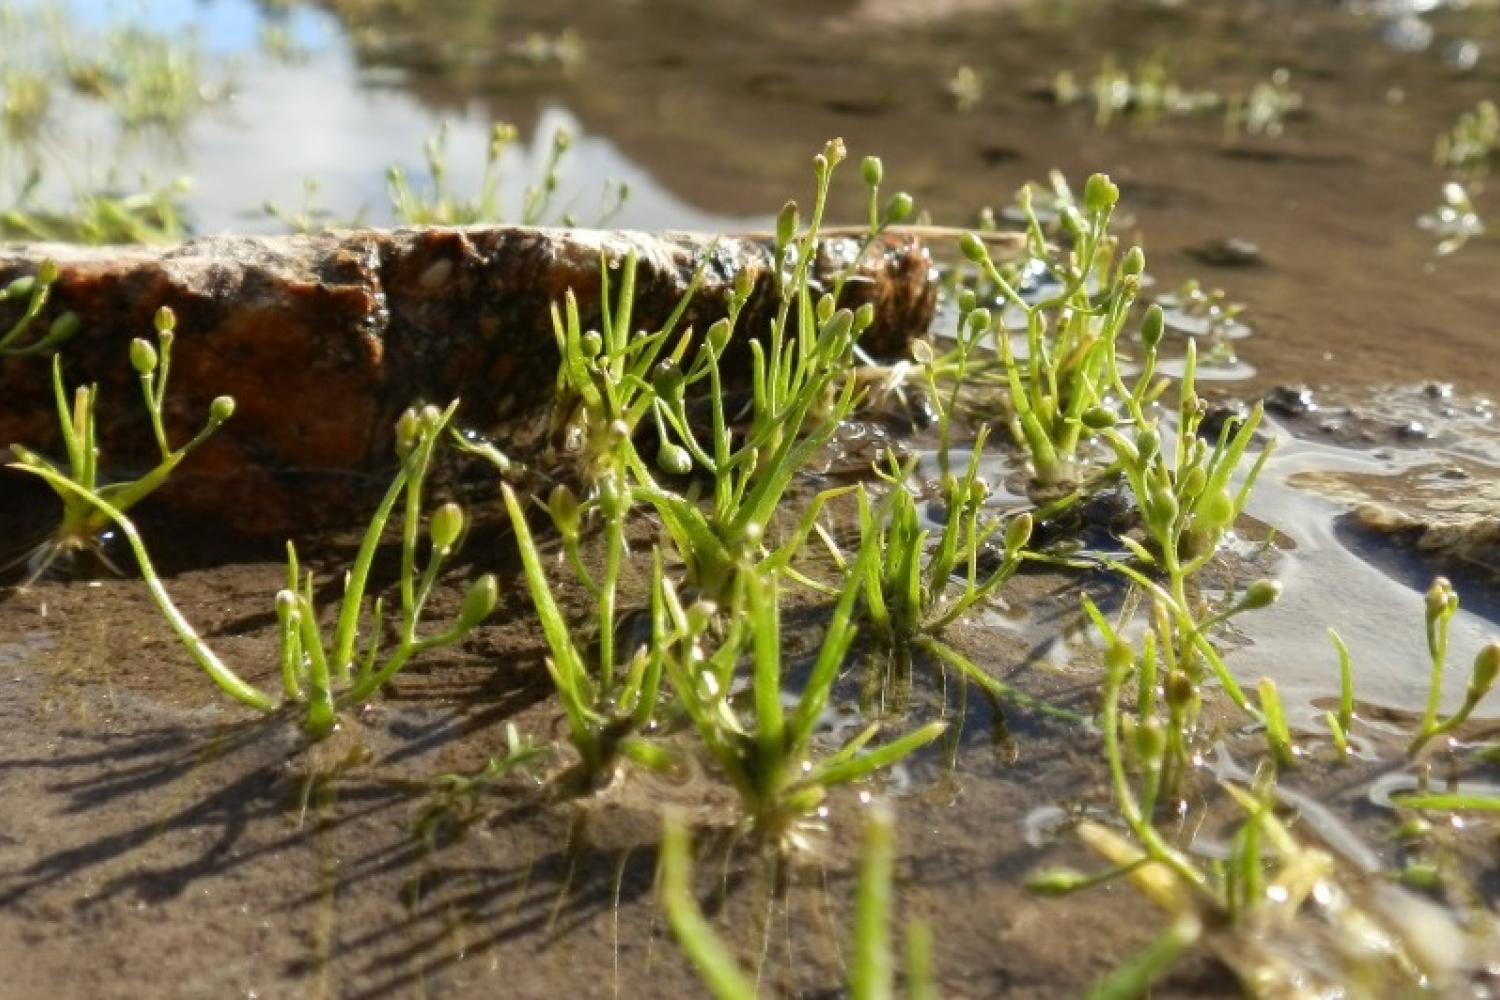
710 114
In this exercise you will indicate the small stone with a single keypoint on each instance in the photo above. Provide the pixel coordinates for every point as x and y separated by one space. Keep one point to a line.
1229 252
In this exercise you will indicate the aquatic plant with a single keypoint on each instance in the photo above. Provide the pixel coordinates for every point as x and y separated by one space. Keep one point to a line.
610 707
1266 109
147 78
83 520
802 390
34 290
1441 606
439 206
766 751
324 674
104 213
1144 95
1455 221
1270 888
1059 395
1473 143
872 973
965 89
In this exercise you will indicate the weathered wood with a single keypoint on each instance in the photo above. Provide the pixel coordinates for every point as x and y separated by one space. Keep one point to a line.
324 339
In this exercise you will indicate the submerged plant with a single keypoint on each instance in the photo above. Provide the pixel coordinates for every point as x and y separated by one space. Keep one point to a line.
1059 393
1144 95
83 520
440 206
1455 221
1473 144
608 708
1442 605
765 750
104 213
872 974
34 290
322 673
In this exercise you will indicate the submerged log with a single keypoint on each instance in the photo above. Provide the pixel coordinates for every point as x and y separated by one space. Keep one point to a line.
324 339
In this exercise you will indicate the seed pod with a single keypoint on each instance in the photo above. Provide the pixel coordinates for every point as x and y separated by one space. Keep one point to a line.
1153 326
967 300
142 356
446 525
221 409
787 221
718 336
1161 510
872 170
1218 510
1098 418
20 288
591 343
1179 690
1100 194
165 320
669 381
1147 444
1150 741
1260 594
1119 658
980 320
674 459
825 308
1018 532
864 317
899 208
47 273
1057 882
1134 262
64 327
973 248
1486 667
479 601
562 504
1194 482
408 428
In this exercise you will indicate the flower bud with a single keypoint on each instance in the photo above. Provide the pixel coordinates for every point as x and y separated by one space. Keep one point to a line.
967 300
1118 658
899 208
1194 482
591 343
1098 418
980 320
872 170
786 223
674 459
1179 690
864 317
1153 326
834 152
47 273
1218 510
1018 532
973 248
1439 596
1260 594
1100 194
482 596
1161 510
142 356
19 289
446 525
221 409
166 319
1072 223
1150 740
408 429
1134 262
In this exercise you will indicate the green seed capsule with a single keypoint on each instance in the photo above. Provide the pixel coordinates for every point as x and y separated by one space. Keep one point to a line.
47 273
221 409
1018 532
446 525
1161 510
825 308
408 428
562 504
1150 740
591 343
864 317
1218 510
1486 667
674 459
1261 594
669 381
1194 482
64 327
718 336
20 288
1153 326
142 356
1134 263
899 208
1099 418
967 300
980 320
166 319
872 170
1179 690
479 601
973 248
787 221
1118 658
1100 194
1147 444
